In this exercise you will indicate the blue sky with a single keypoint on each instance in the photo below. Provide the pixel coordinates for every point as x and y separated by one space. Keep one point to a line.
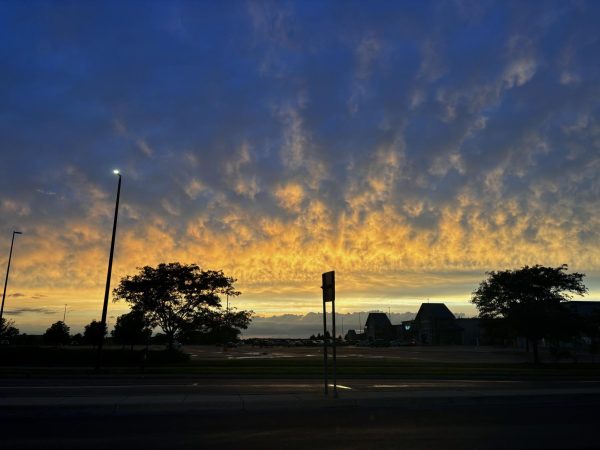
411 146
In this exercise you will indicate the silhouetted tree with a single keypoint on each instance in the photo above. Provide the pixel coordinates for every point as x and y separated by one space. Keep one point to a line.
224 327
178 298
57 334
530 300
319 336
131 328
159 339
590 327
8 329
93 332
77 339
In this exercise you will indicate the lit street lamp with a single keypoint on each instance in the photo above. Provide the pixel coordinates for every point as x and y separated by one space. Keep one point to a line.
110 261
7 271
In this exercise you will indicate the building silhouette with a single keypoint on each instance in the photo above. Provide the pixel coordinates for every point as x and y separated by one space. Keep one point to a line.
434 325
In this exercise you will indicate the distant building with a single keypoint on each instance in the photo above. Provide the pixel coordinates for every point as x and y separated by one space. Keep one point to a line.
436 325
433 325
378 326
353 337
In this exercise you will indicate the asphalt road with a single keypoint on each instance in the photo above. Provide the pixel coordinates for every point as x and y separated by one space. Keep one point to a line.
156 386
569 423
293 414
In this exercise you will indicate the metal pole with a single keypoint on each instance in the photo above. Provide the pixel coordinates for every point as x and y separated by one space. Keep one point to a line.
325 346
335 393
107 289
7 272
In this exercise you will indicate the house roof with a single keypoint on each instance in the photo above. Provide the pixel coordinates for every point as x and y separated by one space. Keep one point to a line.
431 311
378 320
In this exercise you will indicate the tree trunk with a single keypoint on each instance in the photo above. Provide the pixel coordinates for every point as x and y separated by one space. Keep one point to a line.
534 344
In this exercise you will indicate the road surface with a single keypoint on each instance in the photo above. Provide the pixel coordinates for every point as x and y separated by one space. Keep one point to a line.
130 413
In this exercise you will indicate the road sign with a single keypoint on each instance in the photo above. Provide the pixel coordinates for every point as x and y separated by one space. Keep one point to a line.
328 286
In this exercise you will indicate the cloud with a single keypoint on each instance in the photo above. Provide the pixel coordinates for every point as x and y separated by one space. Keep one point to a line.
273 28
519 72
297 153
43 192
367 52
431 67
28 310
235 169
193 188
290 196
13 207
144 148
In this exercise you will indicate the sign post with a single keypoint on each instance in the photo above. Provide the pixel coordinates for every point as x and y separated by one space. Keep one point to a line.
328 286
325 348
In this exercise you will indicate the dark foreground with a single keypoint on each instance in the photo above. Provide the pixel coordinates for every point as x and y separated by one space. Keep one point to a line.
173 414
568 423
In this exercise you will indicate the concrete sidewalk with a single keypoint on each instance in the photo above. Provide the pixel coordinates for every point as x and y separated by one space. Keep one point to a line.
198 403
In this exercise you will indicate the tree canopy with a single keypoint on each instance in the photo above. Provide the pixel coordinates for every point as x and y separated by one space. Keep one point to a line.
132 328
57 334
93 332
8 329
180 298
530 300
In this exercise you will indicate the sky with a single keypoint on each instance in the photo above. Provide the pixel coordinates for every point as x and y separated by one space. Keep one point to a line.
410 146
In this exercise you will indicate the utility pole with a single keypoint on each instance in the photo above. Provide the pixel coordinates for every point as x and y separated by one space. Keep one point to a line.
65 314
108 275
7 272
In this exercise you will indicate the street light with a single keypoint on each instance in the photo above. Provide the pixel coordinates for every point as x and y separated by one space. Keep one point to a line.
110 261
7 271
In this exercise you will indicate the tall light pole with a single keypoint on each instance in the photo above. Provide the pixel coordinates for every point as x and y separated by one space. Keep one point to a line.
7 272
110 261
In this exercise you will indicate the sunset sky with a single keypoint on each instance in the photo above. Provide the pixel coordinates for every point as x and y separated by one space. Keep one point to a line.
409 145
